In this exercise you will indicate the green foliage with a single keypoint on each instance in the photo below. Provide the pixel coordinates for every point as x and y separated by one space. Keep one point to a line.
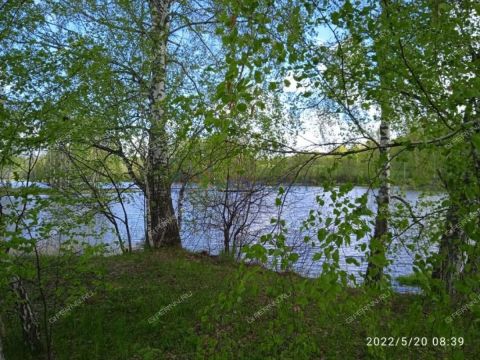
76 111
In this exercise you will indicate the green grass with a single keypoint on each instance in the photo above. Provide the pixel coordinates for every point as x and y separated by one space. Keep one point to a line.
113 323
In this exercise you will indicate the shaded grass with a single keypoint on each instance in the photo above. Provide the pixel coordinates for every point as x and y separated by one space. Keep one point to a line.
113 324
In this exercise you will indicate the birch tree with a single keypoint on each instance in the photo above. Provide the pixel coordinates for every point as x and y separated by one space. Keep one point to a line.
157 181
150 66
380 240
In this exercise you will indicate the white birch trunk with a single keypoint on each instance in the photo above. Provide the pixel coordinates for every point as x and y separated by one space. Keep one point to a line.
28 319
451 258
162 226
381 234
381 237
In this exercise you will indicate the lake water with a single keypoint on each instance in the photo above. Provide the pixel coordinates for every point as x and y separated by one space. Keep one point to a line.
202 229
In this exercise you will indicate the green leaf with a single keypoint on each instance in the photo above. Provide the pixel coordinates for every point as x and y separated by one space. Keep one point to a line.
351 260
293 257
242 107
272 86
322 234
258 77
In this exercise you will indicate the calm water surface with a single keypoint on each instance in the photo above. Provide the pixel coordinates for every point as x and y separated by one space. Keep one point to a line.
201 230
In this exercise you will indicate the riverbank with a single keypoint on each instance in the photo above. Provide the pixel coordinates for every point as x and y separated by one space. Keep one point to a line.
173 304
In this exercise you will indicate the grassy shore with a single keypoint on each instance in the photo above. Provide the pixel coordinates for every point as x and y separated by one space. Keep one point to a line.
169 305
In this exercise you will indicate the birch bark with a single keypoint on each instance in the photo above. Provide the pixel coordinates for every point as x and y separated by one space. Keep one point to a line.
162 226
381 237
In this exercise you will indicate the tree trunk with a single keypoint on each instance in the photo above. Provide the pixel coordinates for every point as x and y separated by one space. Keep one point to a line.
473 261
379 242
162 226
381 237
28 319
451 261
181 198
226 240
227 216
2 329
2 335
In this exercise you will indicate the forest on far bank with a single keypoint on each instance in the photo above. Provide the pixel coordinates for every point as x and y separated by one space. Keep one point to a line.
412 170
